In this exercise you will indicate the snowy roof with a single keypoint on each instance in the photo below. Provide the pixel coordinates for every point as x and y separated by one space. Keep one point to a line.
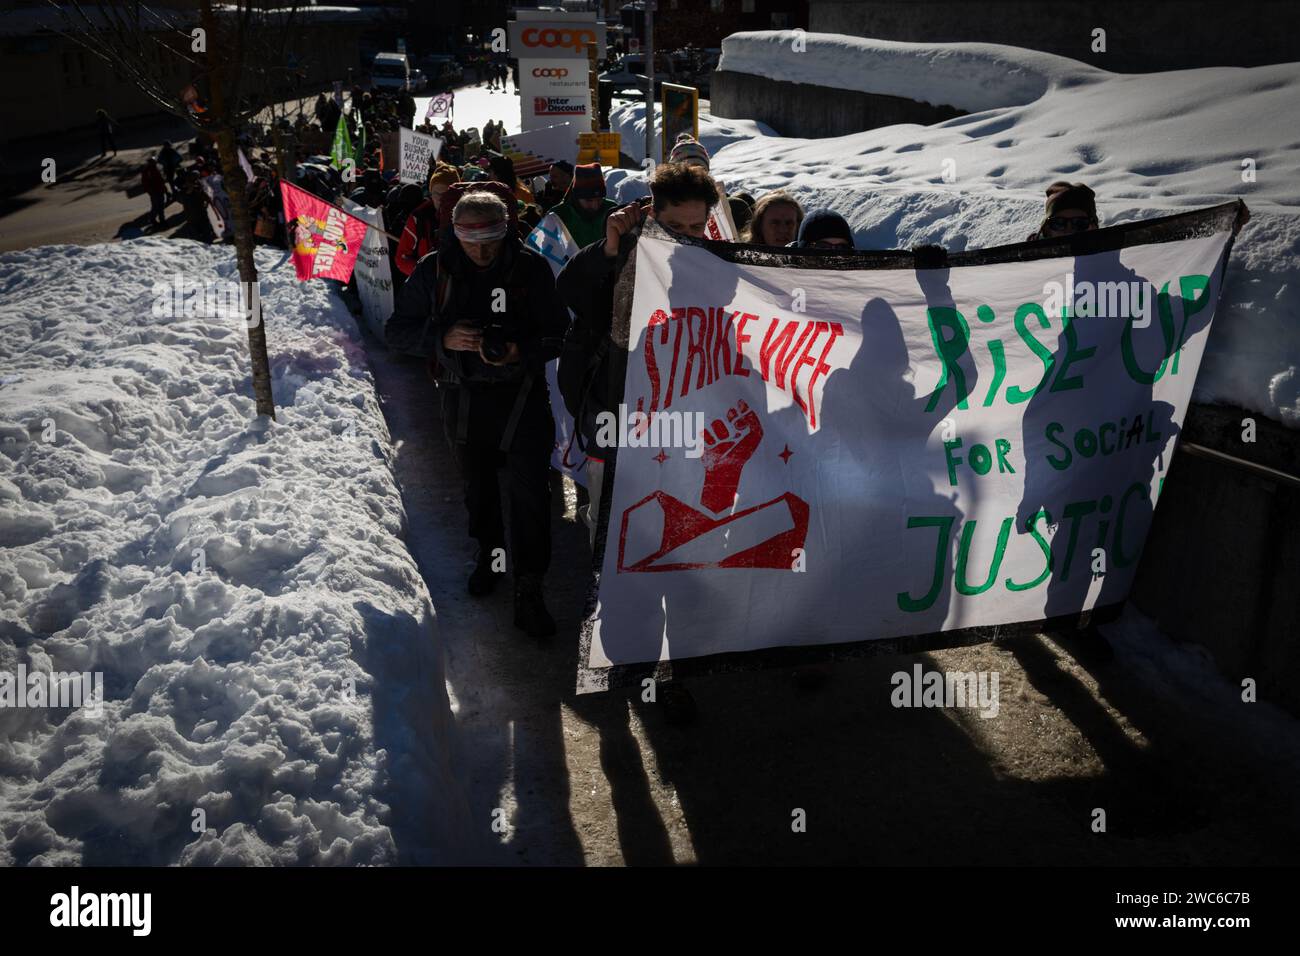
27 21
969 76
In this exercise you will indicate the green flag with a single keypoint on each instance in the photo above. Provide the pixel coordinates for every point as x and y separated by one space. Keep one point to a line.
342 148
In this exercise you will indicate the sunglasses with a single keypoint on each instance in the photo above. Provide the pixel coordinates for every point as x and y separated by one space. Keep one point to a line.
1068 223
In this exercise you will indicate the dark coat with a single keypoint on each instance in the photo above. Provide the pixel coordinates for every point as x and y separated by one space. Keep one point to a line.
533 312
592 385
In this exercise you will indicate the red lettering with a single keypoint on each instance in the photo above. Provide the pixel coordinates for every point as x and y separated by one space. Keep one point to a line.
659 318
677 350
694 347
817 329
741 339
822 368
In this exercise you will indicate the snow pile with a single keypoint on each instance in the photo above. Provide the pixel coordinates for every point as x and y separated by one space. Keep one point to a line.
714 133
1149 144
968 76
266 642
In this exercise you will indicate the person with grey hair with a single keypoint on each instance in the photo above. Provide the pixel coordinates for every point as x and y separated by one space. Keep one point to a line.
484 308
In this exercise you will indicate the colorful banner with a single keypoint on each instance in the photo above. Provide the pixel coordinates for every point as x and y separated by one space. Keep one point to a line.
551 238
844 448
419 153
325 239
533 151
373 270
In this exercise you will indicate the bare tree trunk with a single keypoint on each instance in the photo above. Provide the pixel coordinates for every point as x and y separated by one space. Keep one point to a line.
244 243
234 179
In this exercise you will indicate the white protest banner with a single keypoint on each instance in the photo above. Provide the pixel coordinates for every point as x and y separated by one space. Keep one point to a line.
372 271
534 151
419 152
838 448
551 238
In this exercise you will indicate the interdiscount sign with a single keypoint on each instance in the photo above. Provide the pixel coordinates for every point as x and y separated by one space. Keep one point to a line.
828 448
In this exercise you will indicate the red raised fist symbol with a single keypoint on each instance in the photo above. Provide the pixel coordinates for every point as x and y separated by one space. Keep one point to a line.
725 452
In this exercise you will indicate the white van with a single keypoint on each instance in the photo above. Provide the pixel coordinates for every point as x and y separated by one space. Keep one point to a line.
391 71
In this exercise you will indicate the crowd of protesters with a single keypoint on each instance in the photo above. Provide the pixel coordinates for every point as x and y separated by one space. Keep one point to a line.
463 242
457 241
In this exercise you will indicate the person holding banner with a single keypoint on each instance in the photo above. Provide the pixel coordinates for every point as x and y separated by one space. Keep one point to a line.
776 222
486 306
824 229
590 376
1071 208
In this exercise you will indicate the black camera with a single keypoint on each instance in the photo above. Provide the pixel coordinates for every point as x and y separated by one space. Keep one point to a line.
495 343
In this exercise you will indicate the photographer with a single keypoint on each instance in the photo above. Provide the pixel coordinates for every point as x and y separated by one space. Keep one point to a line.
486 307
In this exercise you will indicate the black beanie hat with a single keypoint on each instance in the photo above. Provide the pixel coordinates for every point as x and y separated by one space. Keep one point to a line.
823 224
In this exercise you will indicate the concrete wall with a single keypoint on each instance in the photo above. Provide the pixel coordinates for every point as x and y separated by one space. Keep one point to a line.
800 109
1140 37
1221 566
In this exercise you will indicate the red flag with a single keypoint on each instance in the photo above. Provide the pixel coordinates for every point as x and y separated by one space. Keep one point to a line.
326 240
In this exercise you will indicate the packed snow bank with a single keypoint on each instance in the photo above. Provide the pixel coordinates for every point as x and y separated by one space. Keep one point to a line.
714 133
968 76
1149 144
266 642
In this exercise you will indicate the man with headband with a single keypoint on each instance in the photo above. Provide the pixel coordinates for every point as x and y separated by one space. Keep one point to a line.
485 307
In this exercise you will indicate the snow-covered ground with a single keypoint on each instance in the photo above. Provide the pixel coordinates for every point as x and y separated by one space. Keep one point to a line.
267 645
1149 144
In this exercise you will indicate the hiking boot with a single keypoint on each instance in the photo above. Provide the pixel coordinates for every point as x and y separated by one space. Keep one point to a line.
678 703
531 615
483 580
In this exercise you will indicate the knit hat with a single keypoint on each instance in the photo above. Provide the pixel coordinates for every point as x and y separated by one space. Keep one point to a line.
443 175
588 182
1062 195
688 149
823 224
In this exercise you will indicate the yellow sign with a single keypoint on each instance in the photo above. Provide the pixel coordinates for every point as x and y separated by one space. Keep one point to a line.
680 108
599 147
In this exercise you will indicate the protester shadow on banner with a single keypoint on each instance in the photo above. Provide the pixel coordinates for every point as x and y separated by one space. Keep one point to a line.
1074 435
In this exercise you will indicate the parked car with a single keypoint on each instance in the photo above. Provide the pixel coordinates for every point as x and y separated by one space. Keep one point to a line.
391 71
419 82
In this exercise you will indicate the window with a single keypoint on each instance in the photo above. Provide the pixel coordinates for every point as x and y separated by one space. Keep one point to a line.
780 21
746 6
715 6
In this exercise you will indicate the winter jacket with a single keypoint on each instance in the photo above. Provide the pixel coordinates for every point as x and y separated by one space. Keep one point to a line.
534 316
151 178
419 238
584 229
591 373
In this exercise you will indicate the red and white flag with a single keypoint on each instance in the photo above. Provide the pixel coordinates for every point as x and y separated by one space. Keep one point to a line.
326 240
